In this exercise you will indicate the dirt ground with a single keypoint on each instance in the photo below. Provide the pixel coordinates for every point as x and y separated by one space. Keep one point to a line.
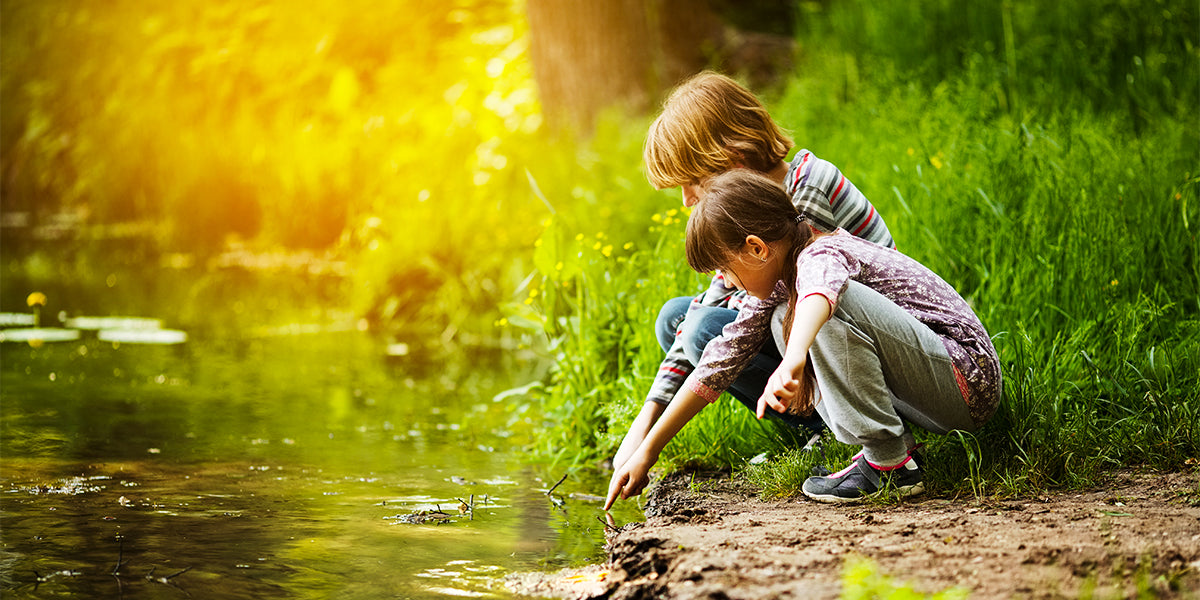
709 538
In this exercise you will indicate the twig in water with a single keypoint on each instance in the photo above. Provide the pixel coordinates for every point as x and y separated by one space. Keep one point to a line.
606 525
176 574
551 490
120 554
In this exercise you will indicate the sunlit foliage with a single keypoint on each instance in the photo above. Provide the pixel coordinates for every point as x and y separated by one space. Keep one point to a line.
388 134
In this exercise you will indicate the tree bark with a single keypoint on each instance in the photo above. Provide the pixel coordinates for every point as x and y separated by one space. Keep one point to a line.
594 55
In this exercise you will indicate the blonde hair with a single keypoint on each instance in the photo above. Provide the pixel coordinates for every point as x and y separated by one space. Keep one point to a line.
711 124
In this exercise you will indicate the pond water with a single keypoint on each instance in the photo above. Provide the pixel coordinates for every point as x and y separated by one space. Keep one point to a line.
283 466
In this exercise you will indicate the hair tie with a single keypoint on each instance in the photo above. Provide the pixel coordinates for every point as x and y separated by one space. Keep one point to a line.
800 218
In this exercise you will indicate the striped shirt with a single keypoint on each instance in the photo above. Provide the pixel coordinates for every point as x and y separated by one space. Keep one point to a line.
822 193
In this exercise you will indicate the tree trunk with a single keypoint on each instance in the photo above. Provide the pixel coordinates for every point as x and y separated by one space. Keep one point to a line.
593 55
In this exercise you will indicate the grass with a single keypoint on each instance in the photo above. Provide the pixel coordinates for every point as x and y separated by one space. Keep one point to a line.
863 580
1057 190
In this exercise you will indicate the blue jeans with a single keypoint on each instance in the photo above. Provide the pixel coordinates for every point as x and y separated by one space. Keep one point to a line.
705 323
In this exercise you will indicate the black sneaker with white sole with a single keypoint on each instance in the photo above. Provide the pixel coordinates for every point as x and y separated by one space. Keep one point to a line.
861 480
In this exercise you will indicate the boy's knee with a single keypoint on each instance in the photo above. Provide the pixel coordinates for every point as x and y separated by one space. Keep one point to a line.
670 317
702 325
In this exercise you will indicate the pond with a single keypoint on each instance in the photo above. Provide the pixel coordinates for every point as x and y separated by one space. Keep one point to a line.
300 466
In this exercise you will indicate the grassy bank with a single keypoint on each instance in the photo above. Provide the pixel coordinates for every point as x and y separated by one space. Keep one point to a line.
1056 189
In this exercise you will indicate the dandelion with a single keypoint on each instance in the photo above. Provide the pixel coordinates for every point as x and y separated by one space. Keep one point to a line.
597 246
559 266
529 300
607 250
501 322
1114 283
657 218
628 246
672 212
36 301
936 162
579 237
533 293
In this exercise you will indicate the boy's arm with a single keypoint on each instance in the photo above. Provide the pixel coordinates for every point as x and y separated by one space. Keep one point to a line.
632 477
675 366
813 203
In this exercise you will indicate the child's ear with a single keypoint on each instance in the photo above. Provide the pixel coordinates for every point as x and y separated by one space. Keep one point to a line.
739 161
757 248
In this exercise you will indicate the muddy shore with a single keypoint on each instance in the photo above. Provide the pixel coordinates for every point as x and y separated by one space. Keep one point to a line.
708 537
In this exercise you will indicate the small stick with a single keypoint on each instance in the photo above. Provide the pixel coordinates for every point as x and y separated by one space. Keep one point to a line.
551 490
606 525
169 577
120 553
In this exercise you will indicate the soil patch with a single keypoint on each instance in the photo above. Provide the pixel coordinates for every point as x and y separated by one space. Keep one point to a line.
709 538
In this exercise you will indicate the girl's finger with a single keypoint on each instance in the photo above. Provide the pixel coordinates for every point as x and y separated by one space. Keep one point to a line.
614 489
780 405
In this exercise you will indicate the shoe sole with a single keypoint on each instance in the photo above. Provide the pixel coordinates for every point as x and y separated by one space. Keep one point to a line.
904 492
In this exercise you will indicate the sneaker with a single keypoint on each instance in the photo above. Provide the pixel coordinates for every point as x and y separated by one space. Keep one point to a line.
861 480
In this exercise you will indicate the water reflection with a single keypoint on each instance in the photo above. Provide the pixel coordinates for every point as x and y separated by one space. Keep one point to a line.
269 468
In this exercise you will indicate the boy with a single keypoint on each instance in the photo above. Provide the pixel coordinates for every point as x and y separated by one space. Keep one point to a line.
709 125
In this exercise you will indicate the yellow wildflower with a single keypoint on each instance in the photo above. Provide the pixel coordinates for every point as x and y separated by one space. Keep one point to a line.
36 299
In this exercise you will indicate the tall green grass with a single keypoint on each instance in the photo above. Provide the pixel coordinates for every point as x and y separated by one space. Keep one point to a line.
1056 189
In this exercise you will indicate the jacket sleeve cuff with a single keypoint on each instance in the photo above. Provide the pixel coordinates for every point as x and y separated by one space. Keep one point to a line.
705 392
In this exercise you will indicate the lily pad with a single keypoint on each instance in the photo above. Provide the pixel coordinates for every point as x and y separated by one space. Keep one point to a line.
124 323
39 334
142 336
11 319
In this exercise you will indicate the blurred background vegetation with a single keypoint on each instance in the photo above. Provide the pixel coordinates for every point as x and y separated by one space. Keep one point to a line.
467 173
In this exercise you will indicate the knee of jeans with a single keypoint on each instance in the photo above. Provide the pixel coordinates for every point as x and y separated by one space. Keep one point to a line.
669 319
695 335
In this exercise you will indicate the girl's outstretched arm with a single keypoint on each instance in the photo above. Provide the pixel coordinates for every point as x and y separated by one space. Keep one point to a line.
784 384
631 477
637 432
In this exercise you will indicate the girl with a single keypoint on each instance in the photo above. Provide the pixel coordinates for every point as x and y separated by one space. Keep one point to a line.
887 340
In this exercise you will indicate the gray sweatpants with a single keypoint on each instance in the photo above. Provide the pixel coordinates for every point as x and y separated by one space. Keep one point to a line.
876 366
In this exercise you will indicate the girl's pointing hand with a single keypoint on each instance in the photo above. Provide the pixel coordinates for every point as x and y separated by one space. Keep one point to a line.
780 389
630 479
